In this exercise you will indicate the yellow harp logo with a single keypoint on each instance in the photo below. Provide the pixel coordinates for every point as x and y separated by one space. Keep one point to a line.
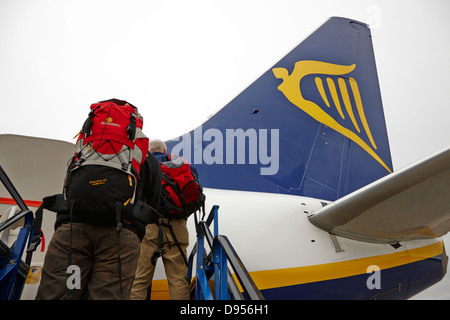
291 89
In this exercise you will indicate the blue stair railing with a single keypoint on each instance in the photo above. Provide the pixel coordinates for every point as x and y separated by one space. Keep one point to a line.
213 267
13 270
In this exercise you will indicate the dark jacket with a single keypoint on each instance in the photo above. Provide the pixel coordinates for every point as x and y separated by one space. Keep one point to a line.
149 189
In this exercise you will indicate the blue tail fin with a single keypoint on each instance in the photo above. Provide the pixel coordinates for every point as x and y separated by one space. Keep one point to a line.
311 125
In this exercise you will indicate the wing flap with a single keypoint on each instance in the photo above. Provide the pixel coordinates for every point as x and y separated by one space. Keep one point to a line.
412 203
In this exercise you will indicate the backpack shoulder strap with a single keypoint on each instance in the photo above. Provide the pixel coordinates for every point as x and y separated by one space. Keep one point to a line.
55 203
169 226
160 251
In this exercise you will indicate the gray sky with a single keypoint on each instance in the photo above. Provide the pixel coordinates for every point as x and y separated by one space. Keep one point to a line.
183 60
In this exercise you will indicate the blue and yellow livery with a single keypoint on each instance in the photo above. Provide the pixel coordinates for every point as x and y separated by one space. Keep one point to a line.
300 165
324 100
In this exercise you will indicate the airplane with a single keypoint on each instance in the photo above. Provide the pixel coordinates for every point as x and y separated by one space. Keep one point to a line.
298 166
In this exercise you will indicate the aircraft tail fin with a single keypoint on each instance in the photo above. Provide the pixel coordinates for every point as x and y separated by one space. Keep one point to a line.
312 125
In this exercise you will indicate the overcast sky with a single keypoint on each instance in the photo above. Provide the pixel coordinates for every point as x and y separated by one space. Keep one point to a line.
181 61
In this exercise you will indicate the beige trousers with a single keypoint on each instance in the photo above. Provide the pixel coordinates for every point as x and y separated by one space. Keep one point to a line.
174 266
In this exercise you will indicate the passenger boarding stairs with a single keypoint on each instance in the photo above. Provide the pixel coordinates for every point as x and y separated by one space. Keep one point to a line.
13 270
212 269
212 280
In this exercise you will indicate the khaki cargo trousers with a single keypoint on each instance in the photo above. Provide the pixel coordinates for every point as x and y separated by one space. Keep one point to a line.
95 252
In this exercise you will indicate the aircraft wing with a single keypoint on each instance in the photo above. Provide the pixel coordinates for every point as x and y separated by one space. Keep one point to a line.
412 203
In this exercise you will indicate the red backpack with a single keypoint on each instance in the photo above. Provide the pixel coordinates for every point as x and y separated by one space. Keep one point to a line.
103 174
181 192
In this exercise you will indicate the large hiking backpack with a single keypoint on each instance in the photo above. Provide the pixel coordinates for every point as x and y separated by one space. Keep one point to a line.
181 193
102 177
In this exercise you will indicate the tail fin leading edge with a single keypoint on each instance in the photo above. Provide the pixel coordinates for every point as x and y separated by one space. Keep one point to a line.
311 125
